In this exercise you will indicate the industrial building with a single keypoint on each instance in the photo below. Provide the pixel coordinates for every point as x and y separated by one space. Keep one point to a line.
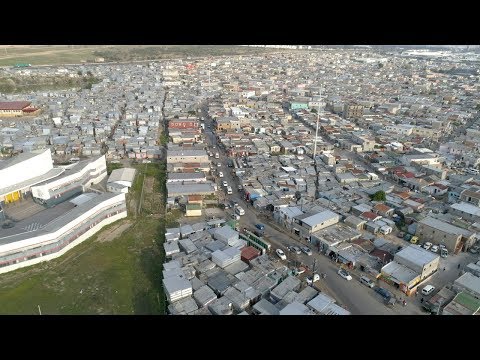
18 174
73 181
52 232
439 232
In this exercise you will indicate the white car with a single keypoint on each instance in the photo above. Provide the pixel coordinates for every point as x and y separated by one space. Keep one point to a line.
311 280
427 245
281 254
427 290
220 174
224 183
344 274
434 248
219 164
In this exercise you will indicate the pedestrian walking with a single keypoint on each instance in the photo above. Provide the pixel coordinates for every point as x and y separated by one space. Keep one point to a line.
458 267
444 269
421 300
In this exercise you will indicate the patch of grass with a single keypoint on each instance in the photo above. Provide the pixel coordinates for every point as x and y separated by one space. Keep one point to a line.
113 166
122 276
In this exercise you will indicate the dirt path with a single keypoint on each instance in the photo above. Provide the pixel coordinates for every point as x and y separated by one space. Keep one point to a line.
114 232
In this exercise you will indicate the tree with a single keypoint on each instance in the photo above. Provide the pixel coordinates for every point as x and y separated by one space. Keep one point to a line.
378 196
89 73
79 73
380 65
313 111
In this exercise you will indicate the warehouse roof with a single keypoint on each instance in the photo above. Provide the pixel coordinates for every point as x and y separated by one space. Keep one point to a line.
296 308
467 208
185 176
52 173
417 255
319 218
469 282
124 174
443 226
21 157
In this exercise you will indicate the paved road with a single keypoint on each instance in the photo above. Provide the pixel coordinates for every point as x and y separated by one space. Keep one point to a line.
353 295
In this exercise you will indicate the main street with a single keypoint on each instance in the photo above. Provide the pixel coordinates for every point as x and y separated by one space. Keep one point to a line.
353 295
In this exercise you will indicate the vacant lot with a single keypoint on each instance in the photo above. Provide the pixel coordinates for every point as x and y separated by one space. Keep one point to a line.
108 276
63 54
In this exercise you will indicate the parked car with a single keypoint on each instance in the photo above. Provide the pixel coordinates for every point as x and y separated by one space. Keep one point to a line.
281 254
220 174
367 281
311 280
295 249
307 251
383 292
240 187
344 274
427 245
401 234
474 249
224 183
235 217
434 249
427 290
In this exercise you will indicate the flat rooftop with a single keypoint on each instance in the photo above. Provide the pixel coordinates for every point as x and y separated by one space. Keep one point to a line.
53 173
20 157
400 272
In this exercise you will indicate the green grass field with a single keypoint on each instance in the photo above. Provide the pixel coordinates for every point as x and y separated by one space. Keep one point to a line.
121 276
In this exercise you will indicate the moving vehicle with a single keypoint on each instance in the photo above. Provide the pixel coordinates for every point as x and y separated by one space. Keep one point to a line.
220 174
239 187
235 217
427 290
224 183
344 274
414 240
260 226
281 254
367 281
312 279
217 155
434 249
239 210
229 190
307 251
219 164
427 245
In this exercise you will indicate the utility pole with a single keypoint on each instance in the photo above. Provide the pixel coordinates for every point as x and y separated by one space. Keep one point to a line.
316 131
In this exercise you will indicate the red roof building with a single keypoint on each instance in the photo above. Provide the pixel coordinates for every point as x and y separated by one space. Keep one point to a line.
16 108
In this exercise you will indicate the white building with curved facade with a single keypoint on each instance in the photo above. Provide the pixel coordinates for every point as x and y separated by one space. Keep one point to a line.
52 232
